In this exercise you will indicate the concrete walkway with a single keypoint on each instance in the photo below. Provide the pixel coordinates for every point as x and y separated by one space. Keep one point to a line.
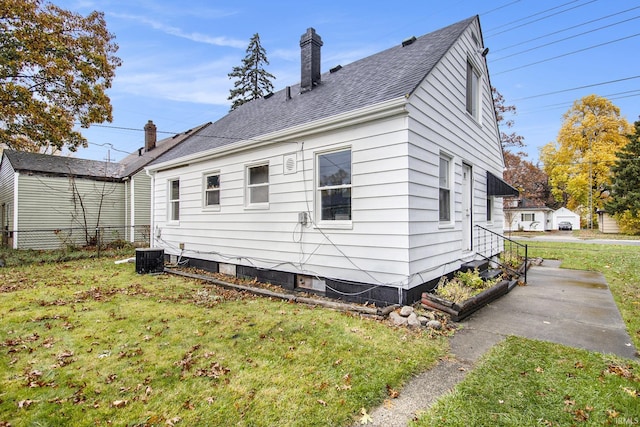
569 307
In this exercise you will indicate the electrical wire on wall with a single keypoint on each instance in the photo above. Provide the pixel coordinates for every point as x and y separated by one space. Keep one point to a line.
297 237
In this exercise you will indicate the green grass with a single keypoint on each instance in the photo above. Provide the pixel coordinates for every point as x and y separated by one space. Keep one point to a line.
528 383
88 342
522 382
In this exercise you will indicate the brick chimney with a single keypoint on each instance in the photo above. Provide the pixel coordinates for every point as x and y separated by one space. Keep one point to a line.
310 44
150 137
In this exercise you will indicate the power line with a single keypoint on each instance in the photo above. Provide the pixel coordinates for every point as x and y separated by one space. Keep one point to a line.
564 39
564 30
567 54
577 88
538 19
499 7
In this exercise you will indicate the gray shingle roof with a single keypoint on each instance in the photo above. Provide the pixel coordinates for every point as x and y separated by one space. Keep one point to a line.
62 166
134 162
47 164
381 77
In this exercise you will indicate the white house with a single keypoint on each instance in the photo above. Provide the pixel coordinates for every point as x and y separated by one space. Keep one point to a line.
536 218
364 183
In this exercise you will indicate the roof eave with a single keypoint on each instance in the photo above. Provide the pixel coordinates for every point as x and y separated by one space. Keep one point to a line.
373 112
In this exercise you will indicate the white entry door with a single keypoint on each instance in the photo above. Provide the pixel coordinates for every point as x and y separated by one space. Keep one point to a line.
467 207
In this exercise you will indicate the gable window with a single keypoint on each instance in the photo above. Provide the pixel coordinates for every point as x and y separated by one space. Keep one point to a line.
258 184
174 200
334 185
212 190
473 90
445 190
527 217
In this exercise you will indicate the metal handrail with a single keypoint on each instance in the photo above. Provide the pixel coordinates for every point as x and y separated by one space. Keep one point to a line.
489 244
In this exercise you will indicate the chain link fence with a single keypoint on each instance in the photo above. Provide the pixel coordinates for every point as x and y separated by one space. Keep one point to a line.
63 238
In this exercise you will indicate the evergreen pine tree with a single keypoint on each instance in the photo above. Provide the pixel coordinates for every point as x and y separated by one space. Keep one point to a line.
625 194
252 80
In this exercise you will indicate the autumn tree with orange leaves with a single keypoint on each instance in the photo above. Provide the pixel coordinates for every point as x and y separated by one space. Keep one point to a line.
55 68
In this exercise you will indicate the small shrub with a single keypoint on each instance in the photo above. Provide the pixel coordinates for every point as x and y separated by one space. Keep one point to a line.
453 290
464 285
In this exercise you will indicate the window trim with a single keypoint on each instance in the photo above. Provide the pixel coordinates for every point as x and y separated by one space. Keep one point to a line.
473 105
332 223
206 190
449 175
248 204
171 201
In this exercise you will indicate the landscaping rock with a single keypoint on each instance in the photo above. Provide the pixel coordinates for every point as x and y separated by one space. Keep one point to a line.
434 324
397 319
412 321
423 320
406 311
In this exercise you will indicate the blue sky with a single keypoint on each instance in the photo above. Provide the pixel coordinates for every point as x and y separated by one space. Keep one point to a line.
176 55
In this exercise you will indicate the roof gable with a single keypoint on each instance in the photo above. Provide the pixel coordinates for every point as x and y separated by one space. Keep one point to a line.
390 74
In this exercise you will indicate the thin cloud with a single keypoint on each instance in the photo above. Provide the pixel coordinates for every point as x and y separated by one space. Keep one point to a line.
177 32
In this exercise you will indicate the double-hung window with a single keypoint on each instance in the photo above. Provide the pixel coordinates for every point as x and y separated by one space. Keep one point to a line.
212 190
445 189
334 185
174 200
527 217
257 191
473 90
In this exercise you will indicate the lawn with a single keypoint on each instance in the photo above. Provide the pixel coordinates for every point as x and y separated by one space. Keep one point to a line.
522 382
89 342
528 383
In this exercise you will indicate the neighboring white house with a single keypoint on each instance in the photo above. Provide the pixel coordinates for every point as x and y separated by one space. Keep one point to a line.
564 214
536 218
47 202
364 183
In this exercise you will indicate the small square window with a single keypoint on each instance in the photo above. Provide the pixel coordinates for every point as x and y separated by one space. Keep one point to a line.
258 184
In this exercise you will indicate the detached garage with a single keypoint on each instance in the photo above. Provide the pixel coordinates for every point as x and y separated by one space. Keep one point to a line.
564 214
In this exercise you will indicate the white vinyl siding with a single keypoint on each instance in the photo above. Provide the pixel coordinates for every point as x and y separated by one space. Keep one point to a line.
439 120
376 240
